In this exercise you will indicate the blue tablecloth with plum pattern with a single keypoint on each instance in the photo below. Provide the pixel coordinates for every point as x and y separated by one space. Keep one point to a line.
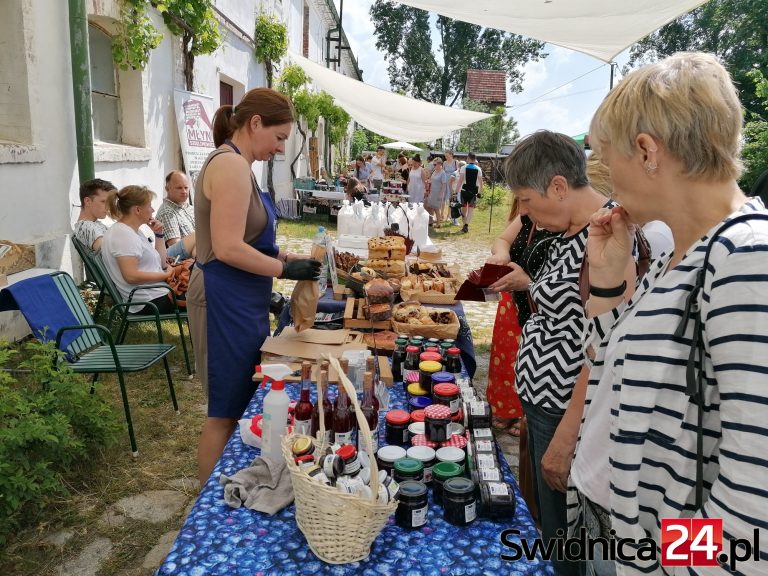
219 540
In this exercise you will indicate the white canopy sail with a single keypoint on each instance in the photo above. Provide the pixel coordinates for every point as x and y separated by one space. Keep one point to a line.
599 28
391 115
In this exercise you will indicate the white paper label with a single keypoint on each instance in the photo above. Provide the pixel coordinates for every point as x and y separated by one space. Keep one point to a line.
498 488
490 474
406 437
302 427
477 408
328 437
374 441
419 517
468 394
482 433
428 474
469 512
455 406
485 461
484 446
343 437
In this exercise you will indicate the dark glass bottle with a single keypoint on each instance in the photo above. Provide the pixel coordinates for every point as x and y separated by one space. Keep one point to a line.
343 413
398 357
370 412
322 396
302 413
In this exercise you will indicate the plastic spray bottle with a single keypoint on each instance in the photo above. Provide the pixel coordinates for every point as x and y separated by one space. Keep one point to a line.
275 410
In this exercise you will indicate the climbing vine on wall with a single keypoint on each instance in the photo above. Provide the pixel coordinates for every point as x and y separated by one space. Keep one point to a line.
271 43
194 21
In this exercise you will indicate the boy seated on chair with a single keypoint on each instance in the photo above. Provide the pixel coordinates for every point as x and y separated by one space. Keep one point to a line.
93 207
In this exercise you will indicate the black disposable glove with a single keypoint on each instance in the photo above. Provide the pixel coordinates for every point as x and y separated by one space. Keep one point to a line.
306 269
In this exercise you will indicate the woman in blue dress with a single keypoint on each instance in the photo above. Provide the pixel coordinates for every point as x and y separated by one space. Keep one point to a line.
238 259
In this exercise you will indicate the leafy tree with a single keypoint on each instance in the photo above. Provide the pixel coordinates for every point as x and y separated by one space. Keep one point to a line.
403 33
487 135
755 151
735 30
271 43
359 142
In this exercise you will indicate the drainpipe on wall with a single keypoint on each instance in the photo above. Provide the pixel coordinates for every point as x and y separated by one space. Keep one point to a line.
81 88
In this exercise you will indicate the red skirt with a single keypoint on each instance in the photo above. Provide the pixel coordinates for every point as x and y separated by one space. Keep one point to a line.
501 393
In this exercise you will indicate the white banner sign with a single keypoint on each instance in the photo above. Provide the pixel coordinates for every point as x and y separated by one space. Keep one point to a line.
194 117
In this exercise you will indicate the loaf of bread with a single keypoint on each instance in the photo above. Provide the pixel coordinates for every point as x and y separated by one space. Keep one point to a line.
383 266
386 247
377 312
379 291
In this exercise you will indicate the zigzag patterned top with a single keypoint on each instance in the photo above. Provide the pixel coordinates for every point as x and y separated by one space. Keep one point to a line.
551 355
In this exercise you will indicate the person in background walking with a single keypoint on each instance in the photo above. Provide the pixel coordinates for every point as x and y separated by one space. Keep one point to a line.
468 187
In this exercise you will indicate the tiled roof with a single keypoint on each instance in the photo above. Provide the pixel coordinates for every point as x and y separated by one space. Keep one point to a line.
487 86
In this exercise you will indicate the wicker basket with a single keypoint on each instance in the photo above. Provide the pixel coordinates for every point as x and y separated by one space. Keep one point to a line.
339 528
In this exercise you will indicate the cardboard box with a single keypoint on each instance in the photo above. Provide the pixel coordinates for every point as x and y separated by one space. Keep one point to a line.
16 257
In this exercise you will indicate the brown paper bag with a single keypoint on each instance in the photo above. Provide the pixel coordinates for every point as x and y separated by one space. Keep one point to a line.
305 295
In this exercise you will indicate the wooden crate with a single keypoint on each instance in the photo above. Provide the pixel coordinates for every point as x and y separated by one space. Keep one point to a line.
354 317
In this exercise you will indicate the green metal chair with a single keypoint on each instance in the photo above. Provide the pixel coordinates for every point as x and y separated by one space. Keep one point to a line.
94 265
94 351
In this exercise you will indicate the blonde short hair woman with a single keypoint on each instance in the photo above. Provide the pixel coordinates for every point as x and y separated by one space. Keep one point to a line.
670 134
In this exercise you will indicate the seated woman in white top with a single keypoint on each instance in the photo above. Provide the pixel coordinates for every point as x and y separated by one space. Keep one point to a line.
128 255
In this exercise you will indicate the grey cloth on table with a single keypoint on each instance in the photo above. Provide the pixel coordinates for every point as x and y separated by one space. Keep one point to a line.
265 486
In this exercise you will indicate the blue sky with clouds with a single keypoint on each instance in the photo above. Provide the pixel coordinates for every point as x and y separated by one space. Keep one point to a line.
567 109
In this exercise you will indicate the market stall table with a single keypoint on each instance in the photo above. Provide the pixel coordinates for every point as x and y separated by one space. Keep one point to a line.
217 539
464 340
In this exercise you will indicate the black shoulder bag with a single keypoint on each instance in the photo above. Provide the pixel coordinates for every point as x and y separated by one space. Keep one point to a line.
694 372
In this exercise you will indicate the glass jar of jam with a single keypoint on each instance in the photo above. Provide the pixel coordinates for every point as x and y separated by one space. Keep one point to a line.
477 414
451 454
432 343
446 393
410 365
426 456
496 500
387 456
426 369
429 355
398 358
444 346
412 505
441 472
453 361
396 426
417 416
408 469
419 402
417 341
437 417
459 503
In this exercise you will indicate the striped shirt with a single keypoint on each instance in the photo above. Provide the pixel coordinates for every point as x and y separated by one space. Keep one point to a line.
651 442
